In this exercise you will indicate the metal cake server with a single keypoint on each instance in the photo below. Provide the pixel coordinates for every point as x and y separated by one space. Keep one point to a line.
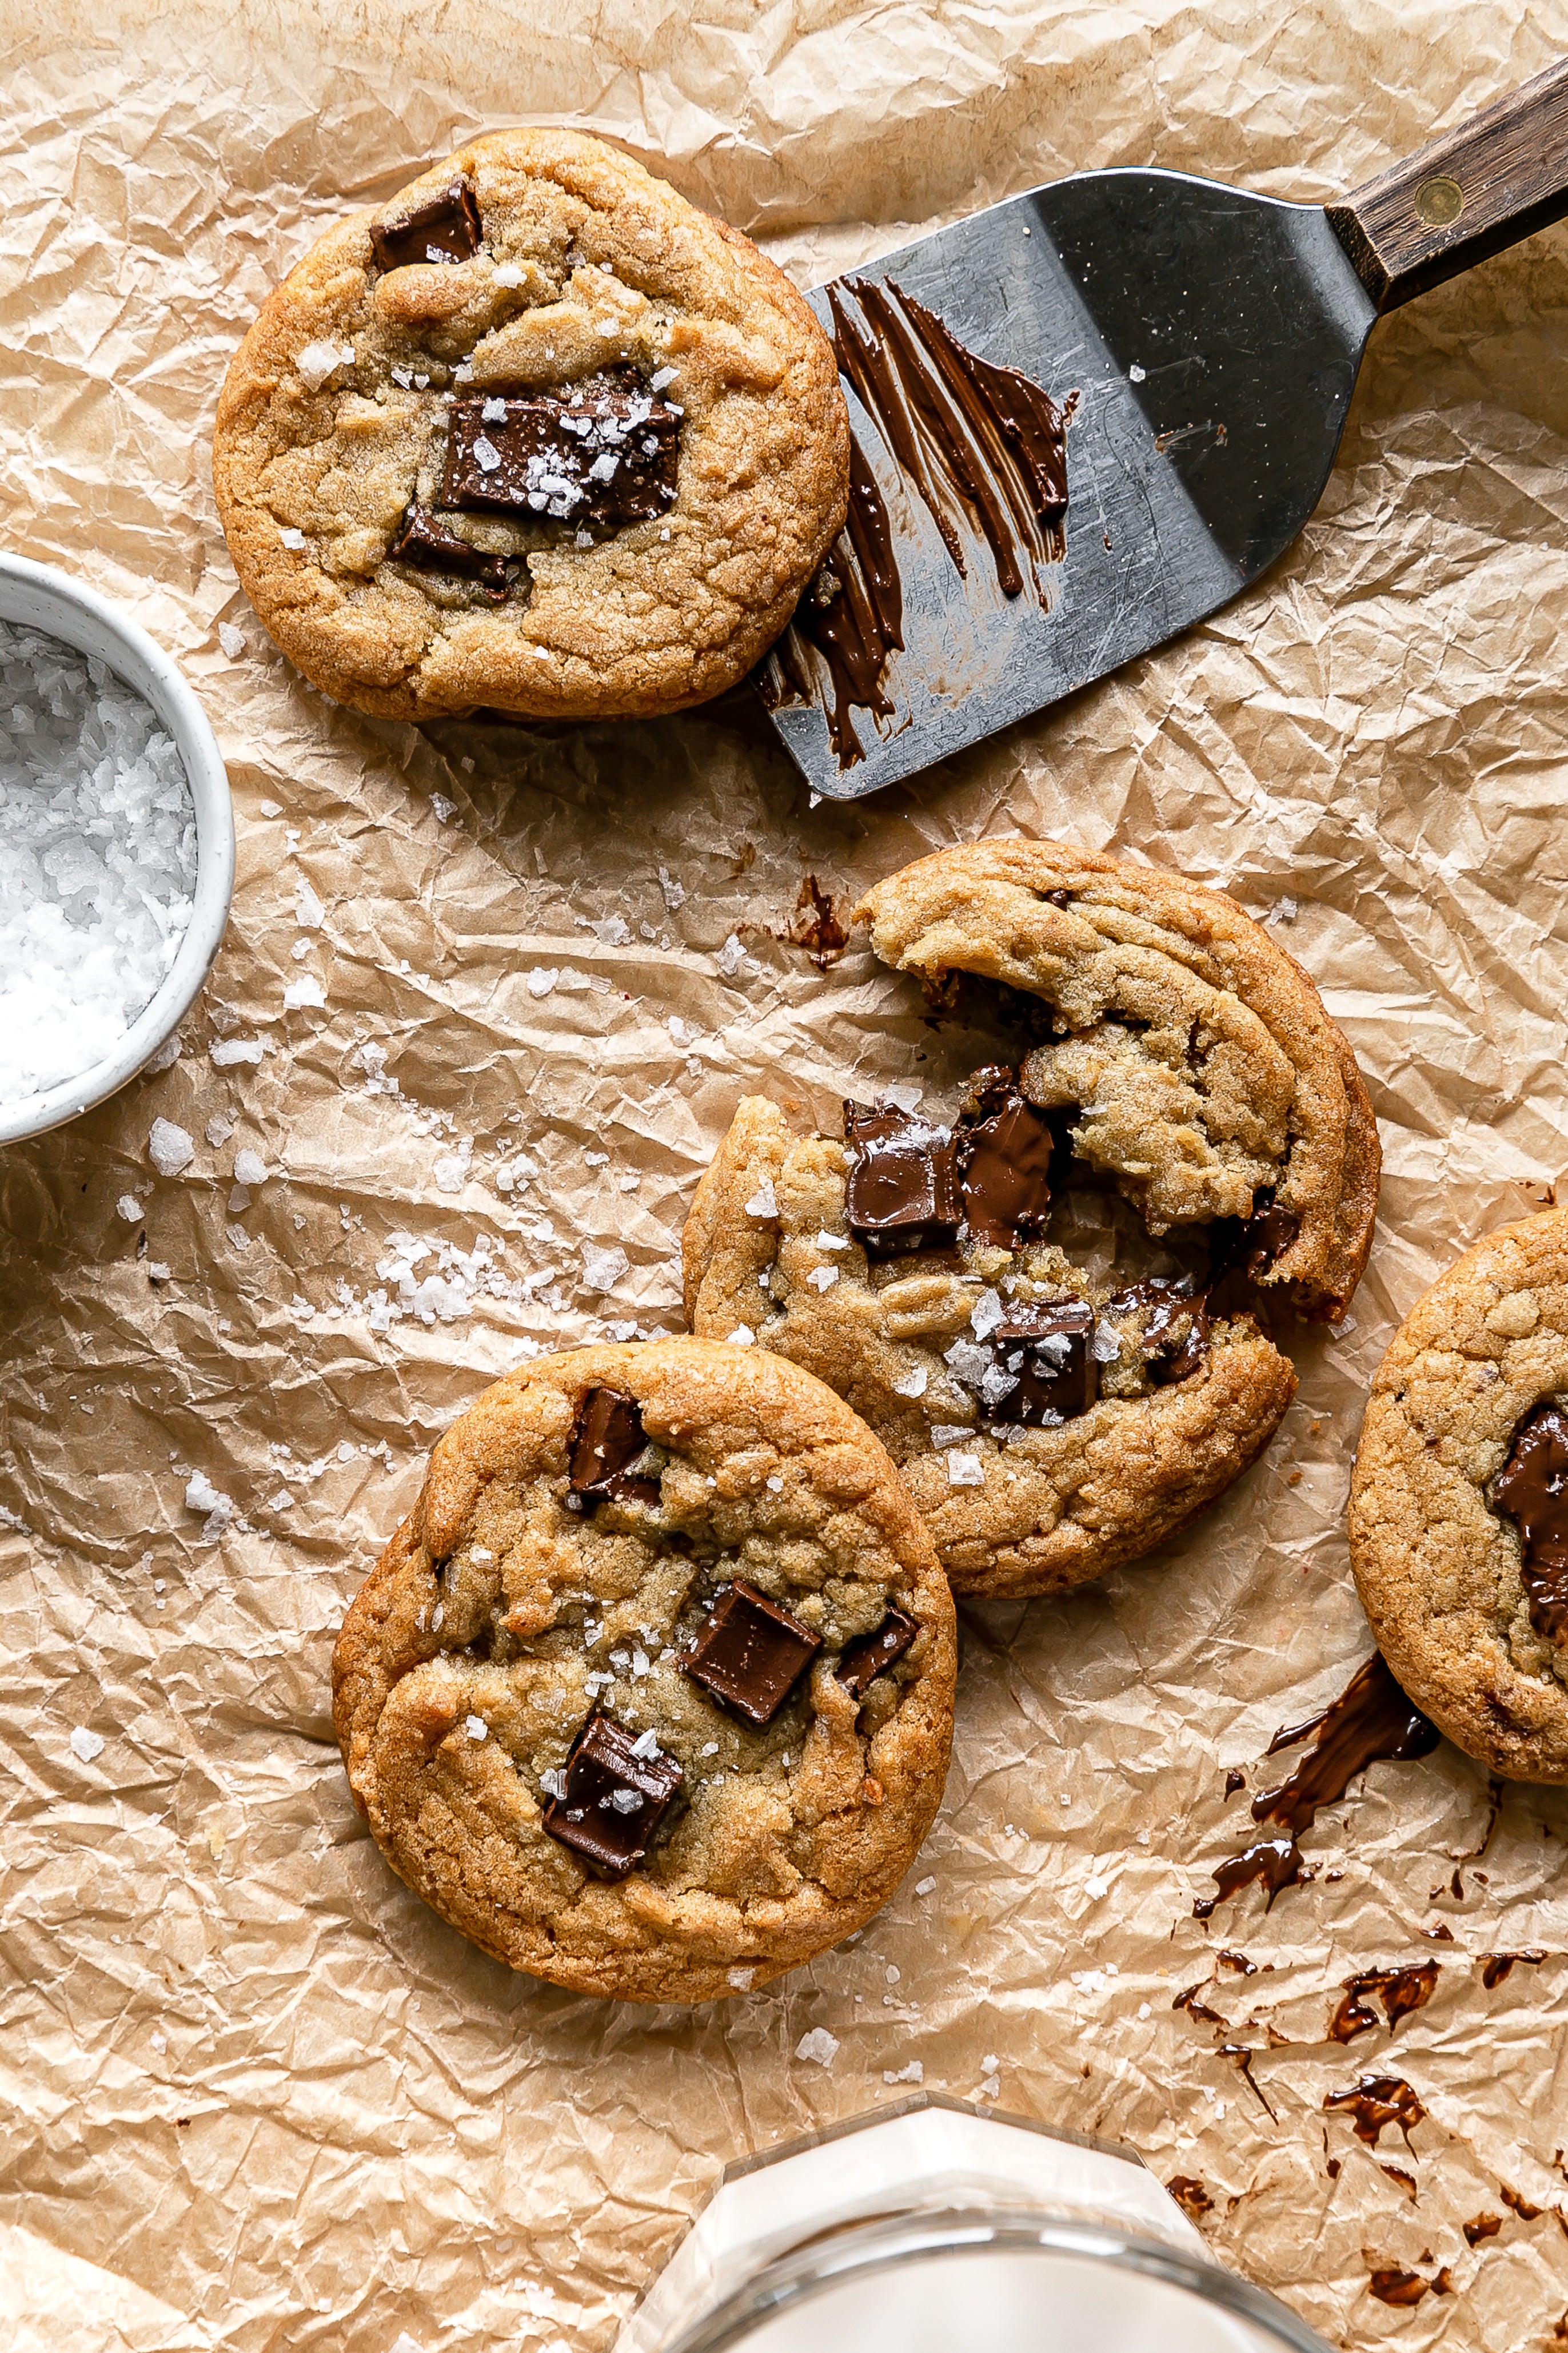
1205 342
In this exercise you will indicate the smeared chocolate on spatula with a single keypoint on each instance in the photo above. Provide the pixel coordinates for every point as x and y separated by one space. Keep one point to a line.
445 228
606 1441
751 1654
616 1797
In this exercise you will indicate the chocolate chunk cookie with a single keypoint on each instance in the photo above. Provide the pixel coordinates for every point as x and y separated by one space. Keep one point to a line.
651 1693
1042 1299
537 435
1459 1520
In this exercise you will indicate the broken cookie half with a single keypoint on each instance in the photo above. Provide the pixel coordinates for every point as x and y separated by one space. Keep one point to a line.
1042 1298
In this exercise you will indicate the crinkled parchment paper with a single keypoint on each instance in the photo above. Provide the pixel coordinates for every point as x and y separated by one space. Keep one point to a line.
252 2095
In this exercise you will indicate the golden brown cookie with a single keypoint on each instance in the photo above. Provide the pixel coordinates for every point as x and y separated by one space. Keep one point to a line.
651 1693
537 435
1458 1519
1042 1302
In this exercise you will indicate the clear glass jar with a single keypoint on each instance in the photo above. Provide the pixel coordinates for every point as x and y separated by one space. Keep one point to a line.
930 2224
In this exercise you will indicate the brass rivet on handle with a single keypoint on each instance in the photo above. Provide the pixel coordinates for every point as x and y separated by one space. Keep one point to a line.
1440 201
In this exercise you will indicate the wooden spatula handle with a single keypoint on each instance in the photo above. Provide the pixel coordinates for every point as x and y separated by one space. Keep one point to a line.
1498 177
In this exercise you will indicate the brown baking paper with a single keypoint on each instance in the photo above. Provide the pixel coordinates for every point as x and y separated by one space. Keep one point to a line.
254 2095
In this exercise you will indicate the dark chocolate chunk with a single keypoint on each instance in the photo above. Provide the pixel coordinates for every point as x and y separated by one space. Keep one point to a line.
1048 1347
424 540
606 453
606 1441
1266 1236
446 229
1171 1354
902 1193
1004 1148
615 1800
874 1653
1533 1488
751 1654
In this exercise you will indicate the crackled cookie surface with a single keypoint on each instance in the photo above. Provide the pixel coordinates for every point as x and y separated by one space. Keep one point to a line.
536 435
1041 1295
652 1693
1459 1504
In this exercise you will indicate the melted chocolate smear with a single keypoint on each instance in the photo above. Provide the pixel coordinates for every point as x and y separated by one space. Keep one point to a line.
902 1189
1243 1966
615 1800
1496 1967
446 229
1234 1781
1241 2056
1406 2181
1195 2008
1005 1160
424 541
814 925
1485 2226
605 453
853 614
1516 2204
1532 1489
984 444
1190 2194
1371 1722
1399 2288
1399 1990
1375 2103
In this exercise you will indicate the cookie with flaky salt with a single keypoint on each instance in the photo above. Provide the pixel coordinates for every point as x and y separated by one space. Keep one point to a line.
651 1694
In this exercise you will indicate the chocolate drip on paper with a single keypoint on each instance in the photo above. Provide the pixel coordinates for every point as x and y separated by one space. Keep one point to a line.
1372 1721
1375 2103
1531 1488
1496 1967
1399 1990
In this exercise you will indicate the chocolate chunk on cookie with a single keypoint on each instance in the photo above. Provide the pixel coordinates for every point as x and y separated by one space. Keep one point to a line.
652 1693
540 355
1186 1104
1459 1520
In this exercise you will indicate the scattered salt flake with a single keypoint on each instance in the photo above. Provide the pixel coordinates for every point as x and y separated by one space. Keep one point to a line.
507 274
601 1268
160 2040
486 454
267 808
741 1980
986 1314
201 1495
824 1240
85 1745
476 1727
1284 911
906 1095
742 1337
232 641
965 1471
320 360
308 909
913 1385
948 1433
170 1148
1343 1328
731 957
281 1501
406 2344
924 1887
1096 1887
552 1781
1143 2010
129 1208
227 1051
451 1173
306 990
659 378
167 1055
674 892
913 2073
250 1169
1135 373
541 980
818 2046
893 1973
763 1202
610 931
293 539
646 1744
824 1277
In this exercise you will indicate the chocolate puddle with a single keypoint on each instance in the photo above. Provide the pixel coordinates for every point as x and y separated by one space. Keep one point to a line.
1371 1722
1496 1967
984 447
1399 1990
1375 2102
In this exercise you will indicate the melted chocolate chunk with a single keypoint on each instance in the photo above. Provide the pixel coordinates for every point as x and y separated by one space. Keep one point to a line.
1165 1308
446 229
1004 1148
902 1193
1267 1235
424 540
606 453
1048 1348
1532 1489
615 1800
751 1654
606 1441
874 1653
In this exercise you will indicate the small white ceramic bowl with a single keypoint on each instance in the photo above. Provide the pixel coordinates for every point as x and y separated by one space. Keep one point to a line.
37 597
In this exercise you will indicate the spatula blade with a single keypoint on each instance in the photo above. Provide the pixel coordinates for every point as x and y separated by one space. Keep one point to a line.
1211 337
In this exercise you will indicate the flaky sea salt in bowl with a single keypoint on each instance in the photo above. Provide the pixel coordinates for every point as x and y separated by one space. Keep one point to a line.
116 847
